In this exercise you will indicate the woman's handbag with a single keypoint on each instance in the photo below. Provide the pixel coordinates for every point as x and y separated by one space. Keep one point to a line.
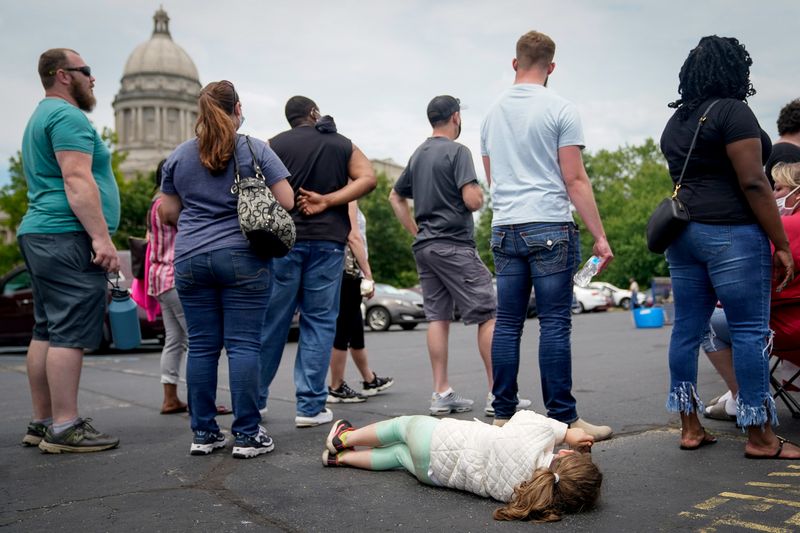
138 248
671 216
266 225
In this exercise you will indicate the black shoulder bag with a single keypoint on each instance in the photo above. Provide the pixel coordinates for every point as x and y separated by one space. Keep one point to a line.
671 216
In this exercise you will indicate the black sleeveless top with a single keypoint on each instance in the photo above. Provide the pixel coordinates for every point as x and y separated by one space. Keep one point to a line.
318 162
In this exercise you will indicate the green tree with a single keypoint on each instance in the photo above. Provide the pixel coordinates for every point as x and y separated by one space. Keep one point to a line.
389 243
628 183
483 236
14 203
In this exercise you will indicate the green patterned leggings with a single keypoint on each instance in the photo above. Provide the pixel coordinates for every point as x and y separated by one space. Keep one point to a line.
405 442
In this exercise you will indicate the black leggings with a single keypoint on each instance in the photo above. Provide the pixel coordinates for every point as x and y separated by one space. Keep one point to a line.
350 323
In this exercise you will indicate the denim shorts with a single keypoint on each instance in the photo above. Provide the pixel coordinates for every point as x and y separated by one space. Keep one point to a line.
451 273
69 291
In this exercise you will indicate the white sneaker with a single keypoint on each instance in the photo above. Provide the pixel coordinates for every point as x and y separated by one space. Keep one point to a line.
322 417
522 403
263 413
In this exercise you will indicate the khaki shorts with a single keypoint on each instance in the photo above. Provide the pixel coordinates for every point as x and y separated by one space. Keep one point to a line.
454 274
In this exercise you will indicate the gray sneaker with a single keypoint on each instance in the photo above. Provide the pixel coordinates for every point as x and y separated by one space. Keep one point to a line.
80 438
449 403
522 403
34 435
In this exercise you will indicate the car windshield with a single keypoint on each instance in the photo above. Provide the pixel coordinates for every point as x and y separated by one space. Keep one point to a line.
388 289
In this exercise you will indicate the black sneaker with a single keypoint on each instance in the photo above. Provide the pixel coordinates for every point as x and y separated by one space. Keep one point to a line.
334 441
371 388
344 394
206 442
34 435
247 446
80 438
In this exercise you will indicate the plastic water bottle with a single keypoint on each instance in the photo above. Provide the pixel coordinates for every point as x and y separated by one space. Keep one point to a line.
587 271
124 319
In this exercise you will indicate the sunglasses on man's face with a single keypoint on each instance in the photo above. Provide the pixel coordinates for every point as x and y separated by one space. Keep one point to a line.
85 70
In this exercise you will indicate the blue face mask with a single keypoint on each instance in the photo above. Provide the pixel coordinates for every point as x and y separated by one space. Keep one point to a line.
241 121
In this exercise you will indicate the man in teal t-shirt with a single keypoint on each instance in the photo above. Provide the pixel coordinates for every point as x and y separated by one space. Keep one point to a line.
65 238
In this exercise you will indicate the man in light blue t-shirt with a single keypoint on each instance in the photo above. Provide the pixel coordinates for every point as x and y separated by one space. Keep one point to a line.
531 143
65 239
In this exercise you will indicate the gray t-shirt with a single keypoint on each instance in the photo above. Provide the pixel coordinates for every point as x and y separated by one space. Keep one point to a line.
435 174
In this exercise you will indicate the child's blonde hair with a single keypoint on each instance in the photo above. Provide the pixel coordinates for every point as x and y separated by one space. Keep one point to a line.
570 485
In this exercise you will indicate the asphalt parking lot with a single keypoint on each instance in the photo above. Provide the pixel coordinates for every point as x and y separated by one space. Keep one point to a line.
151 483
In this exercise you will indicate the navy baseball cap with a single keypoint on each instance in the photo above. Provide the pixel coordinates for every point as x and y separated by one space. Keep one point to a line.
442 107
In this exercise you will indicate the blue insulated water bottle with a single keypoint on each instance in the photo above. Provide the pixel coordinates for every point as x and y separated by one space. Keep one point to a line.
124 319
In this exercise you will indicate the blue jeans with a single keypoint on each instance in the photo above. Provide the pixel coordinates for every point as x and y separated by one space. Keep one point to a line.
223 293
732 264
308 279
543 256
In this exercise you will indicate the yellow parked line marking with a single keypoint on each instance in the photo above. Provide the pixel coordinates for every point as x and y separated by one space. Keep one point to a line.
750 497
783 474
795 520
711 503
770 485
750 525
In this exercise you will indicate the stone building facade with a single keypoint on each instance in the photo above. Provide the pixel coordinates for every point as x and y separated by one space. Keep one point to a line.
156 106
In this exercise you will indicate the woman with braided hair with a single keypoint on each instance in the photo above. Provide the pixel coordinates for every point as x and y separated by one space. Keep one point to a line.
515 463
724 252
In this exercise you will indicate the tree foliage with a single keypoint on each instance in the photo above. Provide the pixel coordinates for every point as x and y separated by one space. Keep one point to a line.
628 183
483 235
389 243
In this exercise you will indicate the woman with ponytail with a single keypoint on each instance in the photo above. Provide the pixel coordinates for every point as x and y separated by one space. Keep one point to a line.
515 463
223 286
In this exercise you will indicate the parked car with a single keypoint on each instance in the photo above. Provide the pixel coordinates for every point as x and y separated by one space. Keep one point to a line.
390 306
16 307
590 299
620 297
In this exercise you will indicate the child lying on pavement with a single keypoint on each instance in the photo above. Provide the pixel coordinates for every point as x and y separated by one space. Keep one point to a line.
514 463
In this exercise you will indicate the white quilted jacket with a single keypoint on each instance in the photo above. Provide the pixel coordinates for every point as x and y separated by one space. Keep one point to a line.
490 460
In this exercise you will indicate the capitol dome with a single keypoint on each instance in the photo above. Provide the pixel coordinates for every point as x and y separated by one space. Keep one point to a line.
156 107
160 54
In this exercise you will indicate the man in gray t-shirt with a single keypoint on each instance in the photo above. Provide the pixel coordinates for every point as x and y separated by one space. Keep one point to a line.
440 178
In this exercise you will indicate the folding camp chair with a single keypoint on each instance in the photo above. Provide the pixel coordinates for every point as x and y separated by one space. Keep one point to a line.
780 385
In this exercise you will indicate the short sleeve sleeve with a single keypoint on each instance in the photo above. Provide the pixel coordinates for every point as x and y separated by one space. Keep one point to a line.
167 176
403 185
570 130
484 147
738 122
273 168
70 130
463 167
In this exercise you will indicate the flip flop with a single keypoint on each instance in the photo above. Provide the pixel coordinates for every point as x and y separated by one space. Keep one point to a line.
175 410
708 440
222 410
777 455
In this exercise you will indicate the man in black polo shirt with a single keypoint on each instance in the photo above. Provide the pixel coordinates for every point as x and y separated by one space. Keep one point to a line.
328 171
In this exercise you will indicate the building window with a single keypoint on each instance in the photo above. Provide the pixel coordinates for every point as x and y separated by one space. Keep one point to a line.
149 123
173 125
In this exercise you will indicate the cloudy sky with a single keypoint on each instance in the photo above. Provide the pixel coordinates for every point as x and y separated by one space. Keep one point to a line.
374 65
